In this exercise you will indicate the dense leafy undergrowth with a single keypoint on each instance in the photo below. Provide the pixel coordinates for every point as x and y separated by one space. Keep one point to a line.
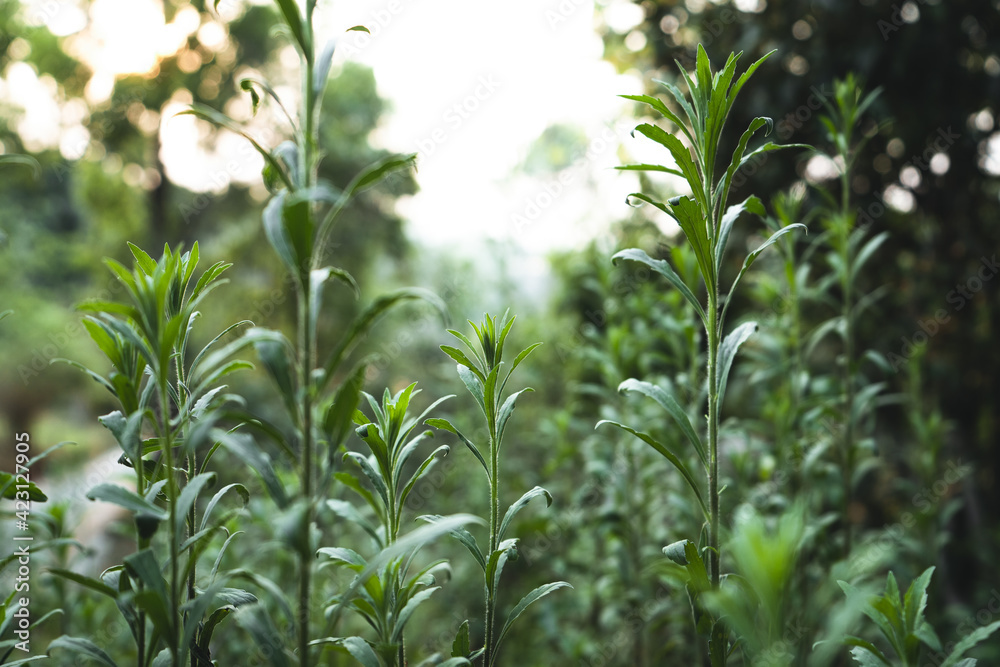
334 522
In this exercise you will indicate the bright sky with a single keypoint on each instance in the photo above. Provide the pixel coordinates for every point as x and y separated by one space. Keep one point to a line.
471 85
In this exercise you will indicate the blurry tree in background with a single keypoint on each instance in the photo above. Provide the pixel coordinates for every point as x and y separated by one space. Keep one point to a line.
109 184
928 175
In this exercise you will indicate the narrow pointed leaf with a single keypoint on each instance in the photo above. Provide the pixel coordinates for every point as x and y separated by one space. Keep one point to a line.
518 505
222 120
667 454
462 535
967 642
664 269
727 352
447 426
670 404
527 600
112 493
81 646
751 204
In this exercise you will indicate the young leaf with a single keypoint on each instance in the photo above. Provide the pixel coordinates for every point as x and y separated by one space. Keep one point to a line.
293 18
519 505
462 535
668 403
257 622
505 412
112 493
751 204
88 582
664 269
967 642
727 352
213 116
528 599
447 426
83 647
461 647
667 454
407 611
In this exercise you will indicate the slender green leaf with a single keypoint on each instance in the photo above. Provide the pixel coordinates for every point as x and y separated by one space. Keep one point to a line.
664 269
967 642
751 204
447 426
87 582
518 505
112 493
84 647
461 647
462 535
527 600
213 116
727 352
667 454
673 408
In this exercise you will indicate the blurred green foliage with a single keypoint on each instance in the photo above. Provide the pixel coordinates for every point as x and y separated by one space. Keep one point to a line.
926 499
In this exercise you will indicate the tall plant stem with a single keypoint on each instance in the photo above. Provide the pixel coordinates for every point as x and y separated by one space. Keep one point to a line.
305 560
172 493
846 263
192 467
494 542
307 361
141 625
712 329
142 543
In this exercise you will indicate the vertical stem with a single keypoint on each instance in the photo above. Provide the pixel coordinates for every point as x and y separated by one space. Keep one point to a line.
172 493
488 656
848 355
306 346
305 561
192 467
143 543
713 437
191 518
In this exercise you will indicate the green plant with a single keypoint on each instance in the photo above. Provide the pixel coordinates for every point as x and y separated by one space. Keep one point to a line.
851 248
486 379
319 391
388 600
706 223
164 390
19 488
901 621
27 161
756 599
